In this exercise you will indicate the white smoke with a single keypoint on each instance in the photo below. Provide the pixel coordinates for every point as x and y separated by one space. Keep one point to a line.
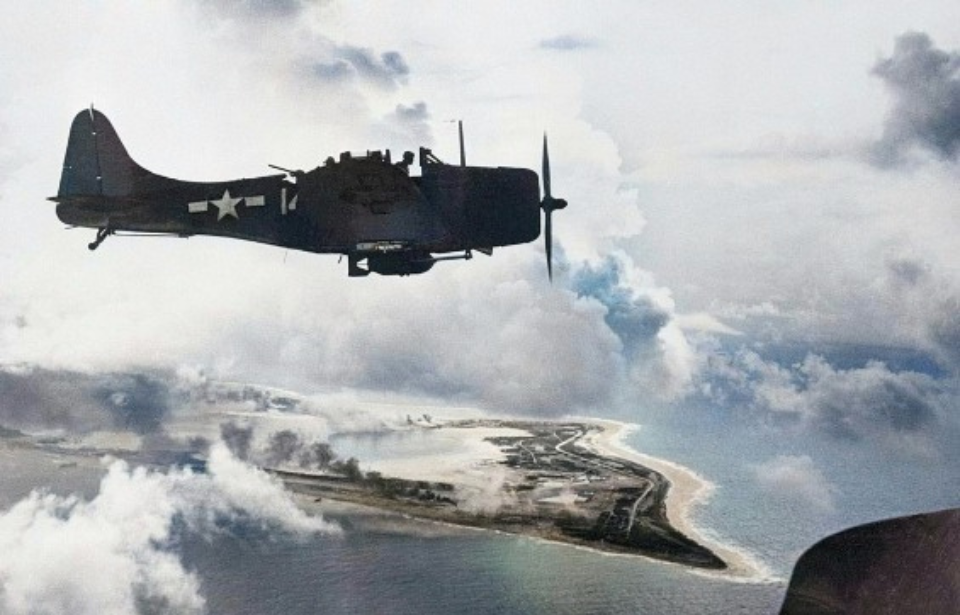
115 554
486 496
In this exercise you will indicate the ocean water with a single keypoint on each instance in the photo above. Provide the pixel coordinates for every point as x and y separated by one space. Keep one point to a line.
368 571
867 480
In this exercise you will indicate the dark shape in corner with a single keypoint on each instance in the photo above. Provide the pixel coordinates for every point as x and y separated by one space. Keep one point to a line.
365 207
898 566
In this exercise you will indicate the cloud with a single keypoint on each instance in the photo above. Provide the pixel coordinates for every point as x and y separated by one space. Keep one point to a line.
237 439
927 299
641 316
569 42
497 335
907 271
256 10
128 533
925 83
388 69
634 317
903 409
504 339
408 125
796 477
36 398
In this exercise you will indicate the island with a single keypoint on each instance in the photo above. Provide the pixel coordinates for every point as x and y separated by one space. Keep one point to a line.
550 482
568 480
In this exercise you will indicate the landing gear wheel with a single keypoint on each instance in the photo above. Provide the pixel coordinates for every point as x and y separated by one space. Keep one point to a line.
102 234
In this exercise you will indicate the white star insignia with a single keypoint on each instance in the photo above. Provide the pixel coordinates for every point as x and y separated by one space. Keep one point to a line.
227 205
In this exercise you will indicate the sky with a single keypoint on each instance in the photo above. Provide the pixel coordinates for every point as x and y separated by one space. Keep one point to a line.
763 205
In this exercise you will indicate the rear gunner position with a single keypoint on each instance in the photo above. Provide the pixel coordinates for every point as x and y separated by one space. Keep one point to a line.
368 208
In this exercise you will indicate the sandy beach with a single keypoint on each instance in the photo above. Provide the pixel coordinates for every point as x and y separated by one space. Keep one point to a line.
687 491
475 467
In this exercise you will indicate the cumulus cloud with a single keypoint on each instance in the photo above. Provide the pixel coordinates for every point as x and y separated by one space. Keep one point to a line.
901 408
337 61
797 477
925 83
497 335
635 318
929 301
126 538
408 125
387 69
505 340
416 112
641 315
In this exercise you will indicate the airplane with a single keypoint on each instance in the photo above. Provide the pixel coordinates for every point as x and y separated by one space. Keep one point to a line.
366 207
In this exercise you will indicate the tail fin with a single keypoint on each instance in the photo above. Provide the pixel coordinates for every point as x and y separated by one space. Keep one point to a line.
96 163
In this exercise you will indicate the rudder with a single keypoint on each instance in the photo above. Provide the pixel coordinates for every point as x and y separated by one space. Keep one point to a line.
96 163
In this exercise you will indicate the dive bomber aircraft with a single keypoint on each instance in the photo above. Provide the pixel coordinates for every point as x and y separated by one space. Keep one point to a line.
366 207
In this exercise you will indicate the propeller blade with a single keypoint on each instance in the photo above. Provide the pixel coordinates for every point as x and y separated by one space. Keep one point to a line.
546 169
548 239
548 204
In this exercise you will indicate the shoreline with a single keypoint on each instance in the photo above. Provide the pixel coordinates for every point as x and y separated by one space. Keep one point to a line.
475 468
688 490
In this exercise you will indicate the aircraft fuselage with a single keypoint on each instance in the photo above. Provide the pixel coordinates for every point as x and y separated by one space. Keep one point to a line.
365 207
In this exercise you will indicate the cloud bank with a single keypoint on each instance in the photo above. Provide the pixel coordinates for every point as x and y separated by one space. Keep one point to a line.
498 334
117 553
902 409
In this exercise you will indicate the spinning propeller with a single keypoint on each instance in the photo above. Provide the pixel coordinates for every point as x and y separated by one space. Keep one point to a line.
549 204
